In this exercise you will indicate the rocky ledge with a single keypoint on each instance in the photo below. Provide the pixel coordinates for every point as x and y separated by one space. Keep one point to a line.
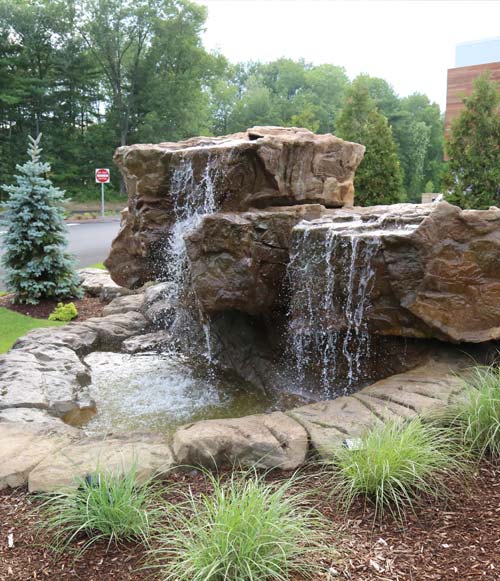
261 167
433 269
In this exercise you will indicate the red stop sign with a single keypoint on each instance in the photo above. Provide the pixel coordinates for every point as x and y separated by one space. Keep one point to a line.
102 175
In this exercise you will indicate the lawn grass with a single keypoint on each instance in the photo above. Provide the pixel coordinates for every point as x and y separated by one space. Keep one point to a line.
13 325
97 265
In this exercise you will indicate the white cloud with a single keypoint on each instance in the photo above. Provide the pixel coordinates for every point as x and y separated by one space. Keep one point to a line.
409 43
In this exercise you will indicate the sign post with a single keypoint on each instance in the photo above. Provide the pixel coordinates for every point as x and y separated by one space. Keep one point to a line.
102 177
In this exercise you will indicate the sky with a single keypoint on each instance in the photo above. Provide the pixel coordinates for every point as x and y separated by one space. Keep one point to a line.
409 43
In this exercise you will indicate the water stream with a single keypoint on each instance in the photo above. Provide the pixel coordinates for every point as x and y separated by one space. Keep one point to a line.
331 278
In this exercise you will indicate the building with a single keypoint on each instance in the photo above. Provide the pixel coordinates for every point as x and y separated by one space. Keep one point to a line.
471 60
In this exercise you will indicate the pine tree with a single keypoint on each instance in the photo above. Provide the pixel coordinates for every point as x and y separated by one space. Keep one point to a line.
35 262
473 148
378 179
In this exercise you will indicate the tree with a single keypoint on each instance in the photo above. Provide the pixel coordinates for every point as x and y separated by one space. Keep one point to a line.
473 148
418 131
378 179
35 262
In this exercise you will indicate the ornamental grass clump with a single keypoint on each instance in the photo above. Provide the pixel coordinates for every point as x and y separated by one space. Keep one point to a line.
104 507
395 464
477 414
243 530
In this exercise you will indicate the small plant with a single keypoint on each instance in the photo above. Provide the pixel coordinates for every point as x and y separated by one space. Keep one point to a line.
477 415
64 312
394 464
244 530
107 507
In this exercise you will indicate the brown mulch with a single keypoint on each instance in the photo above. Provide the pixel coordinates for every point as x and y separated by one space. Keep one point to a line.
460 541
87 307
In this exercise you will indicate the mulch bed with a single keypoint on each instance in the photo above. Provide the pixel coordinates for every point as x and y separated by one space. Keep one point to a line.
459 541
87 307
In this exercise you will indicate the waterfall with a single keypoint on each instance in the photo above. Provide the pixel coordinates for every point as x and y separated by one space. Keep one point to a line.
192 200
331 277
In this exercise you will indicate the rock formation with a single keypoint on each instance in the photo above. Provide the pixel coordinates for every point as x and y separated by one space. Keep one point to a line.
262 167
434 270
265 202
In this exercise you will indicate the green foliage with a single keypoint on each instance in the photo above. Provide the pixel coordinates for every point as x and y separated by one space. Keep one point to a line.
64 312
15 325
107 507
473 148
96 74
378 179
36 265
244 530
429 187
395 464
477 416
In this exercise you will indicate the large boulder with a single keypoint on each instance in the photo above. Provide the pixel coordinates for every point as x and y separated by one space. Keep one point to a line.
420 271
23 446
266 440
261 167
46 377
239 261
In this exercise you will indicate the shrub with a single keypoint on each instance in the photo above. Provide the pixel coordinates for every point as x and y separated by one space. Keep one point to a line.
36 263
394 464
477 415
104 507
244 530
64 312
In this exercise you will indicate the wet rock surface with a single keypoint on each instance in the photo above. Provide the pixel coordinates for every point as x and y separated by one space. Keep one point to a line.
261 167
422 271
239 261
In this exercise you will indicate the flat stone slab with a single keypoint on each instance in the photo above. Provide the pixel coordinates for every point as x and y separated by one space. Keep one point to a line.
44 377
40 418
427 387
22 447
265 440
74 336
328 423
114 329
148 342
150 455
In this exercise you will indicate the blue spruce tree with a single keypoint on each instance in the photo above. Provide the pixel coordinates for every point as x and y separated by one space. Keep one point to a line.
35 260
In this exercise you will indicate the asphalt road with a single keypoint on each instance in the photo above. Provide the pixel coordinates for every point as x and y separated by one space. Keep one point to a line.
88 241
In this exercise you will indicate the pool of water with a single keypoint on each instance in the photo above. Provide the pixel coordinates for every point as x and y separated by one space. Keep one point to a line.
159 392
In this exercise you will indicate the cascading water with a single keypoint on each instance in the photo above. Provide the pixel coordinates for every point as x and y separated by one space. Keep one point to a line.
331 277
193 199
